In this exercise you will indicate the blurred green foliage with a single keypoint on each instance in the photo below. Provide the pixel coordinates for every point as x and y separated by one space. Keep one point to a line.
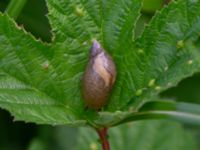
142 135
33 18
26 136
187 90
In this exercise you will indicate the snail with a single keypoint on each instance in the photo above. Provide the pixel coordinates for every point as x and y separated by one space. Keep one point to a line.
99 77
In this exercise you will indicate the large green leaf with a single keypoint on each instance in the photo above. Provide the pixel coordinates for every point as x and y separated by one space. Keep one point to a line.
42 82
117 19
166 52
27 80
143 135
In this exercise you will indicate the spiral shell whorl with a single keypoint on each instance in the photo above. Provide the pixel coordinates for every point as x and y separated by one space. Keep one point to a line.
99 77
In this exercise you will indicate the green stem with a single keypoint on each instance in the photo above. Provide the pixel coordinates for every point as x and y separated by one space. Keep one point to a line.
14 8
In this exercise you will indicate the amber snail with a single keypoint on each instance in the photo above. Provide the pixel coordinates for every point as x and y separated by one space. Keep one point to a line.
99 77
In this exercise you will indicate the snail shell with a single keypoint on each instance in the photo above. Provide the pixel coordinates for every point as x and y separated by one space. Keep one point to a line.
99 77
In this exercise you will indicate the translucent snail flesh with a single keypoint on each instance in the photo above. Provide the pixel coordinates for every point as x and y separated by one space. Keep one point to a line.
99 77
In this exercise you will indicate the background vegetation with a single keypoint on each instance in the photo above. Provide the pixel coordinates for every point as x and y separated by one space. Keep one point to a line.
175 136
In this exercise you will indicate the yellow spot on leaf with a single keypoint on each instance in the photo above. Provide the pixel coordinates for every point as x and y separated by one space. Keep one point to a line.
79 12
166 68
45 65
93 146
151 82
180 44
140 51
138 92
190 62
157 88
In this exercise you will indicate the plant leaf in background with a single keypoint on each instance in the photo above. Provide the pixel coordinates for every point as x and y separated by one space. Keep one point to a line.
181 92
147 135
143 135
41 82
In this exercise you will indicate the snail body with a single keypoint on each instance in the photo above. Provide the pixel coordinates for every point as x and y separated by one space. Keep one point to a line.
99 77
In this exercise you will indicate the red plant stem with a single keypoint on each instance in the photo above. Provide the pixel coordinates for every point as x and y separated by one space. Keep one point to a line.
103 137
